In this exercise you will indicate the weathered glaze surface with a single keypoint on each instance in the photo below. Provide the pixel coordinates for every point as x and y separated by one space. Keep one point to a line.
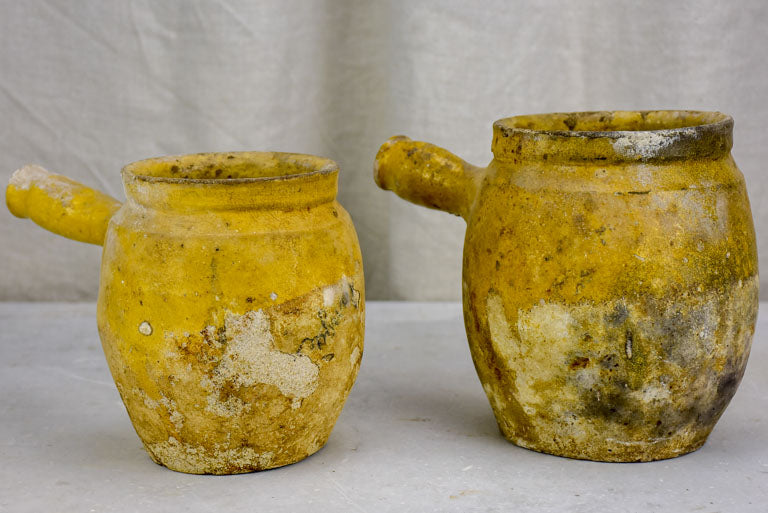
610 276
231 304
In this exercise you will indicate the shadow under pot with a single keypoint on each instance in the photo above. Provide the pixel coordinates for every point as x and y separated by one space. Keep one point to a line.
610 277
231 300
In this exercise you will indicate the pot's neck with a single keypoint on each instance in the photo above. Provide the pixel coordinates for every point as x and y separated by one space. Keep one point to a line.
232 181
618 136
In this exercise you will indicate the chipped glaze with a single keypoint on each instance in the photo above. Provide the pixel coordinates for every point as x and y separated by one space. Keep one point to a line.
59 204
231 302
610 276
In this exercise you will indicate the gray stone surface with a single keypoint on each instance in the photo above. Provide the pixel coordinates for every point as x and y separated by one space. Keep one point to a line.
417 434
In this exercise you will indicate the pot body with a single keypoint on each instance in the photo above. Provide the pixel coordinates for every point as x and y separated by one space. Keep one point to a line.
233 331
610 279
608 321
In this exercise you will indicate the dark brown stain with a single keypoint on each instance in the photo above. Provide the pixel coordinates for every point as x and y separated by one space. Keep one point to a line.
580 362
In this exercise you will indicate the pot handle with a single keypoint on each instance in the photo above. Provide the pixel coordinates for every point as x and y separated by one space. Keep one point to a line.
59 204
427 175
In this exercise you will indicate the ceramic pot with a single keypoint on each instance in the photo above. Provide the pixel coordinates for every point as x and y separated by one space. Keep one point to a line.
610 277
231 303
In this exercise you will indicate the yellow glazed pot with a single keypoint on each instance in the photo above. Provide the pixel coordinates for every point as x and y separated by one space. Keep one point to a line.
610 276
231 304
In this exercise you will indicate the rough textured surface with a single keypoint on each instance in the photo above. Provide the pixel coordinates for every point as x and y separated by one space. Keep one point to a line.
416 434
231 305
610 294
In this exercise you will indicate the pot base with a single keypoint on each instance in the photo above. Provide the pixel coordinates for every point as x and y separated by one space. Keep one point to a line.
184 458
615 451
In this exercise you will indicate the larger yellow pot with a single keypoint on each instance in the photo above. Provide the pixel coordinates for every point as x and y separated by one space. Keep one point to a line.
231 304
610 275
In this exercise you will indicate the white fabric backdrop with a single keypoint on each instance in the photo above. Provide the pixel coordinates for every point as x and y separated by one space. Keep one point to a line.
87 86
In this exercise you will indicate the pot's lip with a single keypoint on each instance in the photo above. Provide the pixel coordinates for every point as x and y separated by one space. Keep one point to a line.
318 166
713 121
614 136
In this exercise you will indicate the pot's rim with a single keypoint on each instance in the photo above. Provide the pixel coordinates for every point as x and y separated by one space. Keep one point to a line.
180 169
615 136
680 121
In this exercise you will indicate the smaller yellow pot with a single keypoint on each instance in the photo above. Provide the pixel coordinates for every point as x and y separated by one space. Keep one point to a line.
231 301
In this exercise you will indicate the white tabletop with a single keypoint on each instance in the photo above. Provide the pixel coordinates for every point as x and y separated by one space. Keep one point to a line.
417 434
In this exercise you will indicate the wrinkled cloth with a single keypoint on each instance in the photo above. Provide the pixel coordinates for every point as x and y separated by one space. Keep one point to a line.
88 86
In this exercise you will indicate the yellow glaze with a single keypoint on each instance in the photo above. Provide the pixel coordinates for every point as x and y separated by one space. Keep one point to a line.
59 204
231 304
610 275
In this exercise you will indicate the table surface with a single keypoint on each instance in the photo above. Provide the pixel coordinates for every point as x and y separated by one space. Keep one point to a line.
417 434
